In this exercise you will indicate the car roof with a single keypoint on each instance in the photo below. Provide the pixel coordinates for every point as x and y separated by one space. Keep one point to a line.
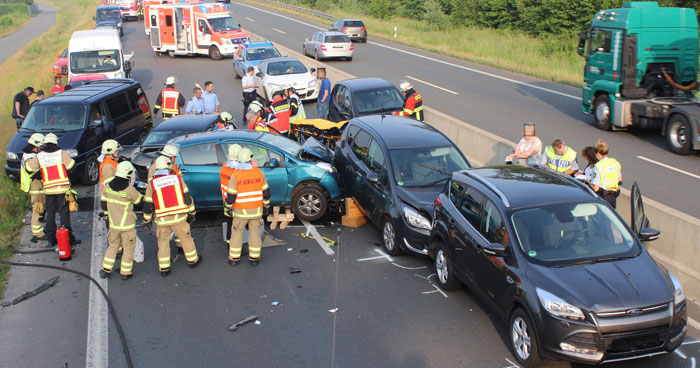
187 122
260 44
206 137
90 91
366 83
351 19
520 186
283 58
108 7
399 132
333 33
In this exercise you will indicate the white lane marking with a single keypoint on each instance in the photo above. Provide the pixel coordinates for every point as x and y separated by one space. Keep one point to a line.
280 31
431 58
409 268
512 365
692 362
437 290
432 85
677 351
319 239
424 277
381 255
668 167
690 342
97 349
252 20
693 323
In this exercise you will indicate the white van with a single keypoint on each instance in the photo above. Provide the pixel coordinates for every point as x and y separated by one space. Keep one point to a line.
98 54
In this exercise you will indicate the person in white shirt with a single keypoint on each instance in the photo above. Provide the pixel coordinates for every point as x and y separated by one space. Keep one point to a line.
529 150
196 104
248 85
590 154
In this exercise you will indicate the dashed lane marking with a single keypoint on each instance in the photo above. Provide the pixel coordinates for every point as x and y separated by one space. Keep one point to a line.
252 20
432 85
381 255
437 290
409 268
690 342
97 347
310 229
278 30
669 167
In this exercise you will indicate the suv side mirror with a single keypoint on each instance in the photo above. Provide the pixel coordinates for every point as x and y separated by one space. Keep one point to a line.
313 70
273 163
582 43
373 178
97 123
259 74
648 234
495 249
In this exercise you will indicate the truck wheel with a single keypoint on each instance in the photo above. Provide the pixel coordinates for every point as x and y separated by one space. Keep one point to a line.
214 53
309 203
601 112
678 134
92 171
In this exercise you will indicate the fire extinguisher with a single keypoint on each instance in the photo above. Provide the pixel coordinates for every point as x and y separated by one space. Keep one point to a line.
64 253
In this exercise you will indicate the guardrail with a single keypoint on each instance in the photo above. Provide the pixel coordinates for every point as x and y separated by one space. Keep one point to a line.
297 8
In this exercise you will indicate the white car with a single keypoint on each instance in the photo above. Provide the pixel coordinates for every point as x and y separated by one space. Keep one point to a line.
273 73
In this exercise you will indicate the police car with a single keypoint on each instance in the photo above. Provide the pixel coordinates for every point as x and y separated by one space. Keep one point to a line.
252 53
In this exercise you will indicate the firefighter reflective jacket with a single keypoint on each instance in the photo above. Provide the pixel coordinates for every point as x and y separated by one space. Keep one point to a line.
225 176
108 168
120 207
247 184
280 107
54 168
167 192
413 106
169 100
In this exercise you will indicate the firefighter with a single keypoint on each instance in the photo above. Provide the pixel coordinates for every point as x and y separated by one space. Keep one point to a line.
170 152
118 200
225 176
413 105
170 99
560 158
32 184
606 175
224 122
247 193
255 117
281 110
54 164
295 106
168 203
108 166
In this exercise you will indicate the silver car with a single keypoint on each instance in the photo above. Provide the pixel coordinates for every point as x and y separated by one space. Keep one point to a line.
326 45
353 28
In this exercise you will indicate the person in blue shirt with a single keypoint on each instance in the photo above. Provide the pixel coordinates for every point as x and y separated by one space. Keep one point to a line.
209 98
324 94
196 104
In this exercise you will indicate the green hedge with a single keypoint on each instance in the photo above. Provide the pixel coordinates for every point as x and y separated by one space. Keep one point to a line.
7 9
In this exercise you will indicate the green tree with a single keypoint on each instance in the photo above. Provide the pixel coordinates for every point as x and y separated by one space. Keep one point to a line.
382 9
412 9
434 15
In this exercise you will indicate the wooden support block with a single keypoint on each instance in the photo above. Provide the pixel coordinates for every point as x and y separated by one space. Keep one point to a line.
352 208
354 221
280 219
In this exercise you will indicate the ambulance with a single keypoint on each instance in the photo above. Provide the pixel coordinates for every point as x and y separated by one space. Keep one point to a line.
147 4
192 29
129 8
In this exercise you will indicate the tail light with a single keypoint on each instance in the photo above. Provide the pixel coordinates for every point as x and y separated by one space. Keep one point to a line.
437 202
352 47
323 47
345 28
363 29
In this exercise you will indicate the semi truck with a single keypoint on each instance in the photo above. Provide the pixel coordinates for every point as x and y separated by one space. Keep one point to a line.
192 29
641 71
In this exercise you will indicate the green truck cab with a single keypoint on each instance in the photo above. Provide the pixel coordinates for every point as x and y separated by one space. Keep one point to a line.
641 71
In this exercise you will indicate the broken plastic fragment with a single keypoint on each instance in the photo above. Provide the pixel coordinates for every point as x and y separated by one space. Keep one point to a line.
289 249
250 318
45 286
275 303
333 310
294 270
304 251
257 322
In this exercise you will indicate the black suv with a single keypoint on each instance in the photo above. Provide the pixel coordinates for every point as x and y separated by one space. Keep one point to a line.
557 263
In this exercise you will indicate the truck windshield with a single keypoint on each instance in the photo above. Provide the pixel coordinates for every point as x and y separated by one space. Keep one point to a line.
222 24
94 61
53 117
108 14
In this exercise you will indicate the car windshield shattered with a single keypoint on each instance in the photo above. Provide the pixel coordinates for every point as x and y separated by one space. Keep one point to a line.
423 167
55 118
94 61
375 101
223 24
565 234
286 67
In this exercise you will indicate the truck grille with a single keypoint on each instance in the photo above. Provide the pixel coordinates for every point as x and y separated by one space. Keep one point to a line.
635 341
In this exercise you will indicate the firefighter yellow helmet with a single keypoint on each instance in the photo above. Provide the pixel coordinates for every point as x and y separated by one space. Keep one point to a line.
163 163
125 170
245 155
109 146
233 151
36 140
225 116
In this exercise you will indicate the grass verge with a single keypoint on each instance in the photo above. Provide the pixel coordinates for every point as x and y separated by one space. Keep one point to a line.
553 58
13 17
31 66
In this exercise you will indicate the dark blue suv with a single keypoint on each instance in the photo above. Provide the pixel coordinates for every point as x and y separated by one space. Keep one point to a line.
558 264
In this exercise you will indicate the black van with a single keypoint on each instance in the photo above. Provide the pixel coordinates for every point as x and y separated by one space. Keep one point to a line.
83 118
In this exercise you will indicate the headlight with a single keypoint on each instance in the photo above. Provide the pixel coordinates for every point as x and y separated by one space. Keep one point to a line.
55 66
72 152
558 307
678 293
312 84
11 155
326 167
415 219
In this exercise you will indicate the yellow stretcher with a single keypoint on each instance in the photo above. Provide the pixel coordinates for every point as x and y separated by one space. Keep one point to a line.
324 131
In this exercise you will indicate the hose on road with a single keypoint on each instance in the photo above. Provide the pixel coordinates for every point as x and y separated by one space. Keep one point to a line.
112 312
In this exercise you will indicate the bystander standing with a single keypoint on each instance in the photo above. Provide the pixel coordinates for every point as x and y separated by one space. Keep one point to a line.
20 105
324 94
528 151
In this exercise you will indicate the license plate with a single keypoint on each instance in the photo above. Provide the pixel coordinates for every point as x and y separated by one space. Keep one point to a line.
141 184
338 47
356 35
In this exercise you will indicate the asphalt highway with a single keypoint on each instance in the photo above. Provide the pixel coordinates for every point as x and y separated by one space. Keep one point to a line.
499 102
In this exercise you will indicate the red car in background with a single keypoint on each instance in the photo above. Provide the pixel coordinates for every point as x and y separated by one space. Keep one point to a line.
60 67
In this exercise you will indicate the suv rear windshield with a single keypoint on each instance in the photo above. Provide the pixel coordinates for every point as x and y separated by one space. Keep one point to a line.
354 23
564 234
336 39
55 117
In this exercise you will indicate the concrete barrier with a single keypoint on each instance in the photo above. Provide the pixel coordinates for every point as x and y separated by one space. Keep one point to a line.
678 248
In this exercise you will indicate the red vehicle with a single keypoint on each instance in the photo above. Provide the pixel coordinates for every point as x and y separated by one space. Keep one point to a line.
148 3
81 79
60 67
129 8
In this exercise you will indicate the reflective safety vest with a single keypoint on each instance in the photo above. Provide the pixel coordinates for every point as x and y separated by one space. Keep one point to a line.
170 97
261 126
54 175
560 164
168 195
108 161
281 109
225 175
25 180
609 171
413 106
295 103
249 188
120 207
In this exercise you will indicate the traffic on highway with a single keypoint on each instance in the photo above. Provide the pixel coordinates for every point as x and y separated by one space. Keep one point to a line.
326 221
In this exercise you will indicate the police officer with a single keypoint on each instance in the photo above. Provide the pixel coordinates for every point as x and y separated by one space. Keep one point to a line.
296 108
606 175
224 122
281 110
54 164
118 200
560 158
248 86
413 104
170 99
32 184
168 203
247 193
108 166
225 176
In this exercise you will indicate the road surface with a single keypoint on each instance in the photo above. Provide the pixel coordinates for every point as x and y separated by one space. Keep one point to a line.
21 37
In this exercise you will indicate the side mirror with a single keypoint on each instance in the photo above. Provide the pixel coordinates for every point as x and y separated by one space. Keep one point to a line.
495 249
582 42
313 70
647 234
64 69
127 65
273 163
259 74
285 55
373 178
97 124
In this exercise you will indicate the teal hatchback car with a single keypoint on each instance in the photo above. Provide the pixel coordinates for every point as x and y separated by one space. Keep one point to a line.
299 176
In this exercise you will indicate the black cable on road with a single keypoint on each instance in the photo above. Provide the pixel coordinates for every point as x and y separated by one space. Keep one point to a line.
112 312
